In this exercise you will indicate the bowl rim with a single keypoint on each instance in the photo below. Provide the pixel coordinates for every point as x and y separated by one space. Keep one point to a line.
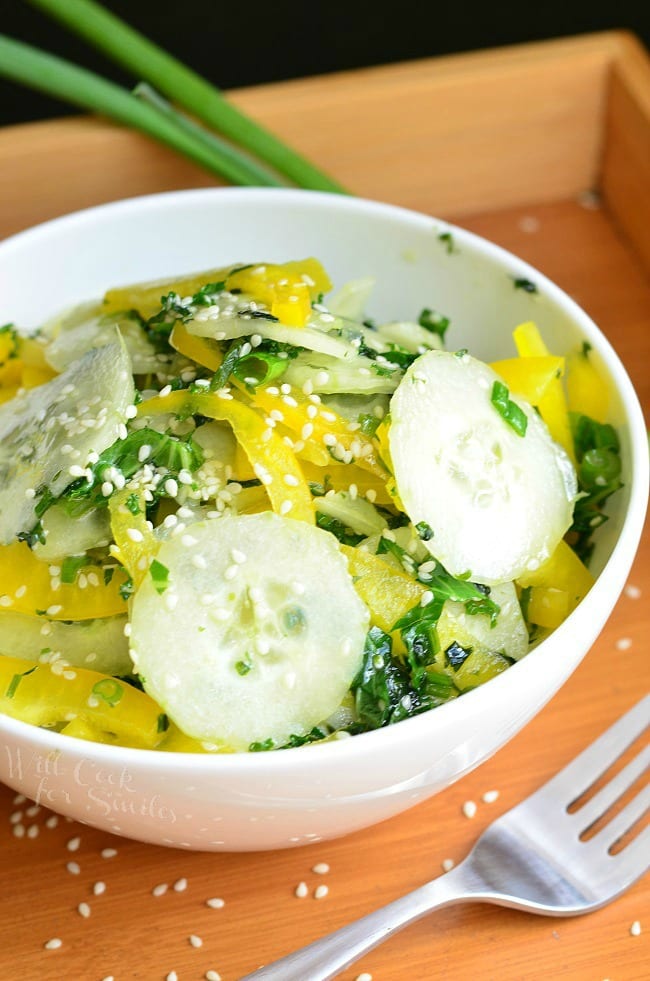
618 563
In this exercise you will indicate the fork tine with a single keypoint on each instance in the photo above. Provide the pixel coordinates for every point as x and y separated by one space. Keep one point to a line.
582 771
616 828
631 863
607 795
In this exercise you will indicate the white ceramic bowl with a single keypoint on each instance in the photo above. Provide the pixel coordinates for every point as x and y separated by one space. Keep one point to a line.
298 796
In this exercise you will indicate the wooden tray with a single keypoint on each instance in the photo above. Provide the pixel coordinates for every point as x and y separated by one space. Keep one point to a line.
544 148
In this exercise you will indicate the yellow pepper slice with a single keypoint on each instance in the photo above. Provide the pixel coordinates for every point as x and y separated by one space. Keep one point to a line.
203 350
586 391
145 297
530 377
135 544
552 405
28 586
22 363
388 592
288 289
91 704
556 587
340 476
272 460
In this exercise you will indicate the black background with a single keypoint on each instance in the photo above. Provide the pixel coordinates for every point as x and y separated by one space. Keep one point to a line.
245 42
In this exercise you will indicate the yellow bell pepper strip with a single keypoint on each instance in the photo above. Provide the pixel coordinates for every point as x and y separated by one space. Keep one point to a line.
553 405
287 289
556 587
90 703
312 423
135 544
22 363
388 592
31 586
146 297
530 377
272 460
340 476
203 350
586 391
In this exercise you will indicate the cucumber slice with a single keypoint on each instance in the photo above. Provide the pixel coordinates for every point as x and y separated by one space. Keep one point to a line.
53 428
89 327
508 636
259 634
65 535
97 644
498 503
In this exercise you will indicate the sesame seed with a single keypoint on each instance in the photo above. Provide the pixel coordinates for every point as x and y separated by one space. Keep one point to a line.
73 868
170 601
135 534
52 821
230 572
635 929
189 541
426 597
285 507
171 488
237 556
109 852
469 809
301 890
306 430
73 844
18 830
266 435
632 592
53 610
490 796
290 480
160 889
195 941
53 944
213 975
84 910
180 885
99 888
329 439
321 868
32 831
447 864
320 892
172 976
16 817
215 903
199 562
364 976
623 644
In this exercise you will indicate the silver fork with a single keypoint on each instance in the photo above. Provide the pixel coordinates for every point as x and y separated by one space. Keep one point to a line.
531 858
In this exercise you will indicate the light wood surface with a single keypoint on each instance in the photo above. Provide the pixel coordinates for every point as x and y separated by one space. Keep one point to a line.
49 168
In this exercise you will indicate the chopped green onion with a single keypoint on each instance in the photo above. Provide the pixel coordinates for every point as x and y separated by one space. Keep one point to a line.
149 62
109 690
57 77
507 409
71 566
433 321
15 681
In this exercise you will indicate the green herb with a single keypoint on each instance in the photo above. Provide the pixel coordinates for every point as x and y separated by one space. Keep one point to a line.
434 322
425 531
456 655
597 450
313 736
159 576
521 283
225 369
259 368
126 589
507 409
109 690
368 423
133 503
448 241
262 747
344 534
109 572
15 681
163 722
243 667
382 689
71 566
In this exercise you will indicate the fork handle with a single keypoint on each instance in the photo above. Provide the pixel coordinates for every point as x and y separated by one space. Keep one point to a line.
325 958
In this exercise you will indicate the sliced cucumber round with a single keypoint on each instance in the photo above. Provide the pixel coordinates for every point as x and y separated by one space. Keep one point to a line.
49 432
497 502
97 644
258 635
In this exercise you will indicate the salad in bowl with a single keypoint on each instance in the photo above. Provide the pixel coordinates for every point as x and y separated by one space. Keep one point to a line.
293 543
236 514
